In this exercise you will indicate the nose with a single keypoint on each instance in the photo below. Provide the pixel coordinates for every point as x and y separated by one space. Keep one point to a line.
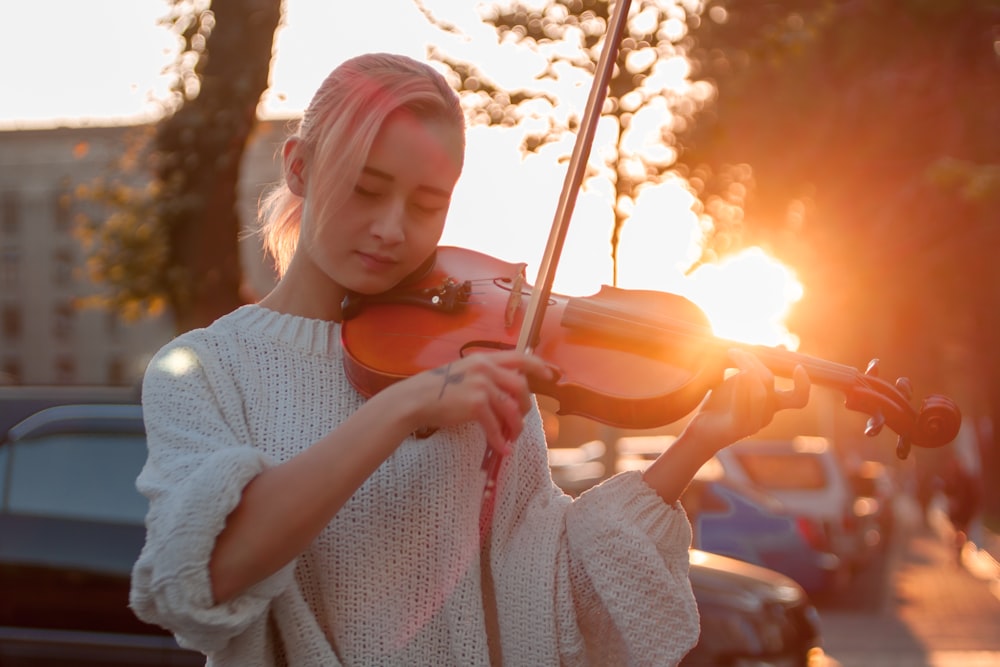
389 223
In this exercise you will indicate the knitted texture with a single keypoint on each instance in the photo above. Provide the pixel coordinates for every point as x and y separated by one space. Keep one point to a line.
394 578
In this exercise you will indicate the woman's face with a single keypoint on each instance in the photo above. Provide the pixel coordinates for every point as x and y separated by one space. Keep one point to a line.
393 217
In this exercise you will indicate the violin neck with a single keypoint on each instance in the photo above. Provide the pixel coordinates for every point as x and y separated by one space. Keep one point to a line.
651 319
782 362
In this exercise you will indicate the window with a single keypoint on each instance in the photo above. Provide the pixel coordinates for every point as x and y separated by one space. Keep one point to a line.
75 476
12 323
65 319
10 214
10 266
63 206
116 372
784 472
113 324
11 372
63 263
65 369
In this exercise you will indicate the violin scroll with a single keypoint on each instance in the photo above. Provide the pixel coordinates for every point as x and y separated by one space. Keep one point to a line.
934 424
937 422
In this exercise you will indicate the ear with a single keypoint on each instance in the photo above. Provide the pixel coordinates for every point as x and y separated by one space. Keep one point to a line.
293 164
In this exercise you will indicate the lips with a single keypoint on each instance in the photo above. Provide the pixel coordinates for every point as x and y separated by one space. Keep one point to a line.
377 262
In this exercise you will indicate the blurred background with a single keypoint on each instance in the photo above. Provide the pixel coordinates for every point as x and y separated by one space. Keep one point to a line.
822 175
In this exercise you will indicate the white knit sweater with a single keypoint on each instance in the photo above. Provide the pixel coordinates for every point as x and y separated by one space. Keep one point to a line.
394 579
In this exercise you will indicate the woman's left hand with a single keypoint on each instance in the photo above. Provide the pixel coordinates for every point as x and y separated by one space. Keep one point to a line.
741 405
745 402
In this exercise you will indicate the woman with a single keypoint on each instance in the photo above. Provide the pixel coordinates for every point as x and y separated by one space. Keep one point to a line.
292 522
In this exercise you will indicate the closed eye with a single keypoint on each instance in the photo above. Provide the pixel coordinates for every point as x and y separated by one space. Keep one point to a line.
430 207
364 192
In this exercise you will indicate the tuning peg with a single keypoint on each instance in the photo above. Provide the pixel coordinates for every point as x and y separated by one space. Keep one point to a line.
905 387
902 448
872 368
874 425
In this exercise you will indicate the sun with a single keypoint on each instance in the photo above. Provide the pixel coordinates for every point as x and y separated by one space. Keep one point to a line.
746 297
504 204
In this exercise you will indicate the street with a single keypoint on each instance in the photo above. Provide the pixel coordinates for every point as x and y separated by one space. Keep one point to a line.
916 605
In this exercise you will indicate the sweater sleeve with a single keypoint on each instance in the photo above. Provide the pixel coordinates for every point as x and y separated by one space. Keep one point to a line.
199 461
612 563
626 561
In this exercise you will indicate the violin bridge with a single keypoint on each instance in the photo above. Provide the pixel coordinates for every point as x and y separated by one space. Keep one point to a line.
514 300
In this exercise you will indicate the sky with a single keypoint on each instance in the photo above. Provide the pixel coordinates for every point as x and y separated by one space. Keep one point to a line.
100 62
103 59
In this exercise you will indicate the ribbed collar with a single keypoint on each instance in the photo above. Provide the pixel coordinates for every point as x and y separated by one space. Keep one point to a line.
302 333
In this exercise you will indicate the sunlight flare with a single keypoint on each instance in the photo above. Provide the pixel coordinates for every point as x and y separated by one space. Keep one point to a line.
746 296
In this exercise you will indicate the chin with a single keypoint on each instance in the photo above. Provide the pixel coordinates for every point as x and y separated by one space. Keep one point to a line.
373 286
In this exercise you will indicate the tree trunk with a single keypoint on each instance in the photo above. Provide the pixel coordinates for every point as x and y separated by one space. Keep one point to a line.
201 147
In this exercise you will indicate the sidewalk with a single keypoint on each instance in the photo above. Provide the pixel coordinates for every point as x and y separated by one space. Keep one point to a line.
935 611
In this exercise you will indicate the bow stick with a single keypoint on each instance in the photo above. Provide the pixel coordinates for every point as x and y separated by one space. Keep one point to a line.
575 171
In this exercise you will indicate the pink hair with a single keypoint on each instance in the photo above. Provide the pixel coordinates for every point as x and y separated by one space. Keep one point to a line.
338 129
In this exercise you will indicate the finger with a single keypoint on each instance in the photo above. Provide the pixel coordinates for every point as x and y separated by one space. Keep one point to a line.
756 400
798 395
510 413
514 385
757 391
493 427
526 364
751 363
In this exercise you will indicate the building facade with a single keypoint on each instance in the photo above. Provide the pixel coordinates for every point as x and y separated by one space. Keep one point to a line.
46 336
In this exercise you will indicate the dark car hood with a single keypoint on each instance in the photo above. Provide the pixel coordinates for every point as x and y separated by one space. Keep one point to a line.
730 582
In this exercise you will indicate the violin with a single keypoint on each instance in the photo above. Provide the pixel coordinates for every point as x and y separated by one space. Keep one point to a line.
632 359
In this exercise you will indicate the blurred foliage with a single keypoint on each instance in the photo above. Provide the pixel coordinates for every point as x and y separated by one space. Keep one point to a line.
870 129
865 136
125 248
646 53
175 241
856 141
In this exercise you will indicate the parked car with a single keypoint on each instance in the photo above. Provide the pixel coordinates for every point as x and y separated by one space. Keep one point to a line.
805 474
737 521
746 523
20 401
873 483
70 530
750 615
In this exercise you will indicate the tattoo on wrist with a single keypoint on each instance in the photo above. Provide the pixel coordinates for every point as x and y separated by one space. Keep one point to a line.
449 377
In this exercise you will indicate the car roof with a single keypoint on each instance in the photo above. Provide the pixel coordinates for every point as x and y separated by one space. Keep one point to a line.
105 418
804 444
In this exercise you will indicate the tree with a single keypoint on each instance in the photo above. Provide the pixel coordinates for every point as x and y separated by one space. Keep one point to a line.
647 52
866 135
839 134
173 242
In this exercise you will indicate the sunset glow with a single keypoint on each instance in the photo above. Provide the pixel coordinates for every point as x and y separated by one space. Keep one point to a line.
505 201
747 298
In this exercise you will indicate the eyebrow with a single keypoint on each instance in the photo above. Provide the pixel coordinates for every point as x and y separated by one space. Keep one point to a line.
371 171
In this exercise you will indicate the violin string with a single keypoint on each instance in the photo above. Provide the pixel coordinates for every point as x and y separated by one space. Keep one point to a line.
626 322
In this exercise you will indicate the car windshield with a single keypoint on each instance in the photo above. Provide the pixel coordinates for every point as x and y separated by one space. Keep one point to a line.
784 472
78 476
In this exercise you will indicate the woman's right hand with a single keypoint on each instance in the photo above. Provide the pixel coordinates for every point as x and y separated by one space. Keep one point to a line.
491 389
287 505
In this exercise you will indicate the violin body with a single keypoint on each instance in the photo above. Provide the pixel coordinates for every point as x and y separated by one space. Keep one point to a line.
632 359
623 383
